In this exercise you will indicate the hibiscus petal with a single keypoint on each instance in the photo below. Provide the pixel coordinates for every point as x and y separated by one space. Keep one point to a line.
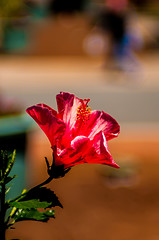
101 121
79 143
62 99
45 118
82 150
102 150
67 106
87 151
43 105
74 154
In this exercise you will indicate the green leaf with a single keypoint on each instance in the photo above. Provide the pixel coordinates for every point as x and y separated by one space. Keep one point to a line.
33 214
42 194
11 160
6 164
49 213
3 164
34 203
9 179
7 190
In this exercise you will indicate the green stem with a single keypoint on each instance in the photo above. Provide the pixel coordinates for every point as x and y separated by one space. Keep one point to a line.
48 180
2 212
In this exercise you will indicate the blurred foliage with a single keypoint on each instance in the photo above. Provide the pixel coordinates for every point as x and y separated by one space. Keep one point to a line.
146 7
12 8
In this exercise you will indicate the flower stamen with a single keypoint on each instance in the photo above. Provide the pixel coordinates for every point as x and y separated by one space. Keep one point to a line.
83 111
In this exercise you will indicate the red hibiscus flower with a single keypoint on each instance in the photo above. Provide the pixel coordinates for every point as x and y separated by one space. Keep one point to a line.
77 134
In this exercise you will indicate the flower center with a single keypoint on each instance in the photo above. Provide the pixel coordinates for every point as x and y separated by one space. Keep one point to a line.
83 111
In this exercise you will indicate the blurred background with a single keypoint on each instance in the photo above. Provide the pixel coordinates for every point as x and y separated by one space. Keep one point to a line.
107 51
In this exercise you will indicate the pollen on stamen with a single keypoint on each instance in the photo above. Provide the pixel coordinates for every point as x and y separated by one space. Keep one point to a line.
83 111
